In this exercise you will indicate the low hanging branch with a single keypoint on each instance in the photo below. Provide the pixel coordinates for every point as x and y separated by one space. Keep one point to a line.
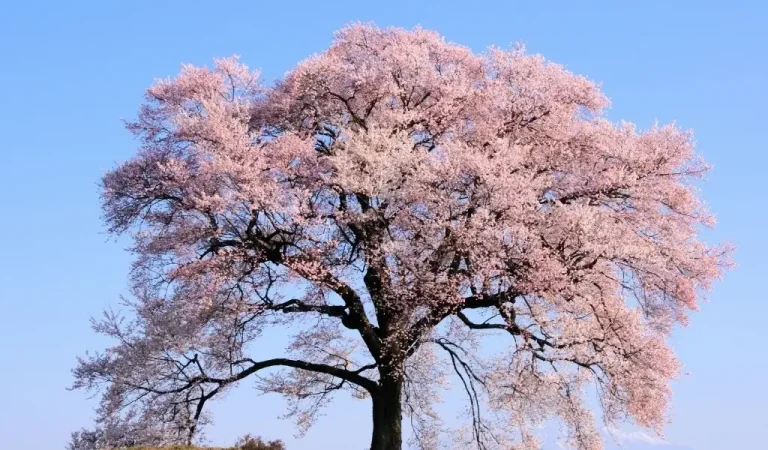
390 205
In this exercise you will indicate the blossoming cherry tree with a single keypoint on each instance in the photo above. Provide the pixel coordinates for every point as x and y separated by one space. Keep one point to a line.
415 217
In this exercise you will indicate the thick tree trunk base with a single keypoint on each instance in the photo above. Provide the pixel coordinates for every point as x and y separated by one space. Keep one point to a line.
387 417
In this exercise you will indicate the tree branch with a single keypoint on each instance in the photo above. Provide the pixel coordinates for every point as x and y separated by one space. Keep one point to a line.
418 329
353 377
353 318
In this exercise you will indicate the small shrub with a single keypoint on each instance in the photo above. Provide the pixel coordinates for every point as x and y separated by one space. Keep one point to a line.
249 442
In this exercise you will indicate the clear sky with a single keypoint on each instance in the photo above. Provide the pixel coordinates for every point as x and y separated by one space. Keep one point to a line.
70 70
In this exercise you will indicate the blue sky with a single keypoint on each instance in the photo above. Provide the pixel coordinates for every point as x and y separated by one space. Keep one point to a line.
70 70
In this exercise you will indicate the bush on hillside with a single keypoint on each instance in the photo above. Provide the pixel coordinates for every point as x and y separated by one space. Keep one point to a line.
91 441
249 442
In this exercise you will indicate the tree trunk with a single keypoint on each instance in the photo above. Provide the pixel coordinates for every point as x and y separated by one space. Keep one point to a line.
388 415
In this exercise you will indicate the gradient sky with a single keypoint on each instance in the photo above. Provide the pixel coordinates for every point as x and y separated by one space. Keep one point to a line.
70 70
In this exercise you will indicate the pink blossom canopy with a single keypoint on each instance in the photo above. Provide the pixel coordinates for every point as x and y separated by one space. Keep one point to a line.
396 203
